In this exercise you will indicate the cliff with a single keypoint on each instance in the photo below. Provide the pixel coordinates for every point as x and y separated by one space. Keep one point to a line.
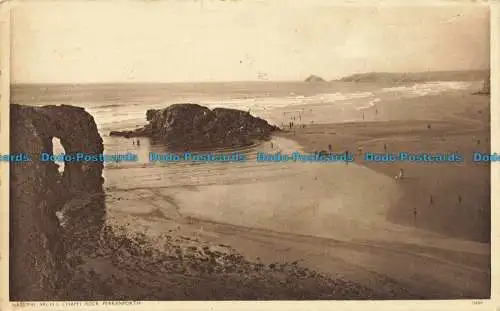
195 126
39 243
403 77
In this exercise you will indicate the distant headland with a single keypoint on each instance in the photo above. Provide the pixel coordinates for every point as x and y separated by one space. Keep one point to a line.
427 76
314 78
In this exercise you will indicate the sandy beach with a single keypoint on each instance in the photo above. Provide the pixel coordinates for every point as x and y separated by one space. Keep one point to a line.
158 80
463 128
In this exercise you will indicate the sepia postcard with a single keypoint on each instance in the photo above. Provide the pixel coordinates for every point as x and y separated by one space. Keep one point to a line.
249 154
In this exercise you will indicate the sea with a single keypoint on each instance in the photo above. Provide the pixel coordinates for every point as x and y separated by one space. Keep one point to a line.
123 106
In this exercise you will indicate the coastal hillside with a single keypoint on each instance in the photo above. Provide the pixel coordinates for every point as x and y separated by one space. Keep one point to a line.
428 76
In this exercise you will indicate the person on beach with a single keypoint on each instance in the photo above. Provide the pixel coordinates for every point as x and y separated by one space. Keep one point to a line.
330 147
431 200
363 116
138 142
360 150
133 142
414 215
346 157
385 147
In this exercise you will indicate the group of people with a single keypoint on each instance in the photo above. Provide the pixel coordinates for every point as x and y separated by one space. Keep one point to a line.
293 118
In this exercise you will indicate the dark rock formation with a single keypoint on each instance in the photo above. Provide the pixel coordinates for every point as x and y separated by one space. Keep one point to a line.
487 86
313 78
195 126
38 248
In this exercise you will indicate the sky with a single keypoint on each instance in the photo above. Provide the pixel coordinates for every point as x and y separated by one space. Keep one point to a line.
245 40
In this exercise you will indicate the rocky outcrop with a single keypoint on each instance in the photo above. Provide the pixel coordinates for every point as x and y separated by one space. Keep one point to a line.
195 126
313 78
487 86
40 244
